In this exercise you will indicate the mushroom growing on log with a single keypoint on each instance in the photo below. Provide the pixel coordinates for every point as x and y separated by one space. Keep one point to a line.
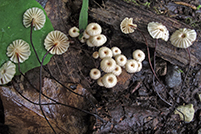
115 11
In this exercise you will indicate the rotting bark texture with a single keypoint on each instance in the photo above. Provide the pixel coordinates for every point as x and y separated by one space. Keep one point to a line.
114 11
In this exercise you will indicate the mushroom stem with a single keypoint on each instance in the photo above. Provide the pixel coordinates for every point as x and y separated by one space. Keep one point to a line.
40 88
156 43
32 42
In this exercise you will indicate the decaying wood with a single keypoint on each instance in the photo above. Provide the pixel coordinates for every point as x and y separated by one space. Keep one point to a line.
114 11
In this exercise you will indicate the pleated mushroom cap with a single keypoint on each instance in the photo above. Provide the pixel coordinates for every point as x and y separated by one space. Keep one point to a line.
19 48
120 60
117 71
109 80
115 51
158 31
57 39
108 64
138 55
95 73
183 38
38 17
74 32
131 66
7 72
105 52
93 29
127 25
98 40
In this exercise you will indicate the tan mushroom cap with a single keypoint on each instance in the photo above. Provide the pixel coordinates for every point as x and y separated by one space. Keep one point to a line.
131 66
138 55
104 52
93 29
183 38
95 55
74 32
57 40
95 73
38 17
127 25
7 72
19 48
158 30
108 64
109 80
98 40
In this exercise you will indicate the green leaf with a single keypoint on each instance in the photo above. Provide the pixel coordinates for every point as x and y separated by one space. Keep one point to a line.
83 18
12 28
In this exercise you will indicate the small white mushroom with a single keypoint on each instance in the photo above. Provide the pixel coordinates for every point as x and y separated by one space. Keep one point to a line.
139 67
82 39
98 40
109 80
89 43
115 51
18 49
57 42
127 25
183 38
138 55
99 82
108 64
95 73
86 35
93 29
188 112
95 55
117 71
158 30
120 60
35 14
73 32
7 72
105 52
131 66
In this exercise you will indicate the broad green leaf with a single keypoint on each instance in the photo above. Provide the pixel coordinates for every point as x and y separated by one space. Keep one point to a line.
12 28
83 18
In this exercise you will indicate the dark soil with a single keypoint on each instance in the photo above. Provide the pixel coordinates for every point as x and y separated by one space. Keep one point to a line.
137 104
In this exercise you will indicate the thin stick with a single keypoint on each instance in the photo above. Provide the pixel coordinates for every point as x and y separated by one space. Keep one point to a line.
156 43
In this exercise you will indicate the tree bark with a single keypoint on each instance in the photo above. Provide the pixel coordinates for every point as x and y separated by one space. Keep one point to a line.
114 11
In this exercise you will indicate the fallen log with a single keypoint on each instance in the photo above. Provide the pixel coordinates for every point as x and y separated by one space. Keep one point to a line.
114 11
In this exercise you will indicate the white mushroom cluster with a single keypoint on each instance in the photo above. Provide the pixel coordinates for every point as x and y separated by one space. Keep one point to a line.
111 64
92 35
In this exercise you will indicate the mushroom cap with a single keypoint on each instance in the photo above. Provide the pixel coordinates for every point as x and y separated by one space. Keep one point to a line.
109 80
7 72
127 25
95 55
158 30
95 73
98 40
117 71
82 39
104 52
93 29
86 35
131 66
183 38
38 17
138 55
19 48
115 51
100 82
139 67
120 60
57 39
74 32
108 64
89 43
